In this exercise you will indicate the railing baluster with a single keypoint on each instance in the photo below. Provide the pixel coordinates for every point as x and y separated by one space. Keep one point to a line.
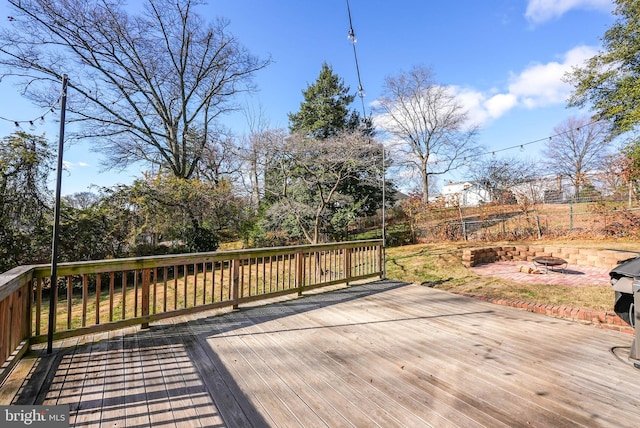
98 283
221 280
166 296
195 284
213 281
146 273
135 293
300 272
204 283
249 283
85 295
111 294
124 295
69 300
185 277
175 287
38 299
155 289
241 262
235 274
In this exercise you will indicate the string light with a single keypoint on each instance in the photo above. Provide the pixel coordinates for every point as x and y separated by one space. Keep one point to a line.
352 36
31 122
549 138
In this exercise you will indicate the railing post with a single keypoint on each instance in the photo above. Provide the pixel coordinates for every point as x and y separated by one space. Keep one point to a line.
381 262
300 272
235 286
347 264
146 280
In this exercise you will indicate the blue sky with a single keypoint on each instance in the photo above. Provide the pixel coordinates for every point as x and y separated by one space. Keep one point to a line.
505 58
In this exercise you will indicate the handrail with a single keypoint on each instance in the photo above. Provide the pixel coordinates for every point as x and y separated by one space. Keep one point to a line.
94 296
15 316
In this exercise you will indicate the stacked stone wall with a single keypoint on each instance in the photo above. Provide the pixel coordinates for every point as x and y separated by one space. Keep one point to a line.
605 259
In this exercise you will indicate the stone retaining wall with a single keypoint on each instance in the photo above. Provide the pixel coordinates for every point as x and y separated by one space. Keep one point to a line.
606 259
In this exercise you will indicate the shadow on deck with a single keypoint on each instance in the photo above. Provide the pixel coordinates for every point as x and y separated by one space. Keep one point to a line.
384 353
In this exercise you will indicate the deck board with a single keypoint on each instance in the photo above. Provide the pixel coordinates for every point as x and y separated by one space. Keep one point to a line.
380 354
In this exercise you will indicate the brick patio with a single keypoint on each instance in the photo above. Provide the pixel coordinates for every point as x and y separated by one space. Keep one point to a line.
573 275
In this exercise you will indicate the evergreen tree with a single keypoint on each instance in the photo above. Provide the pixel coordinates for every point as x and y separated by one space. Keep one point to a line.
325 110
328 173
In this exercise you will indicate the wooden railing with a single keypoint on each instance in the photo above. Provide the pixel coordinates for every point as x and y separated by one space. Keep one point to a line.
102 295
15 316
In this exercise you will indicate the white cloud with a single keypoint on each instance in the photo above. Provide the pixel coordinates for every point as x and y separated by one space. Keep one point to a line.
68 165
542 84
539 11
536 86
539 85
499 104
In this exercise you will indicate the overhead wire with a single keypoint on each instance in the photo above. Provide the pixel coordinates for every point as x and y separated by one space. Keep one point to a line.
31 122
539 140
352 37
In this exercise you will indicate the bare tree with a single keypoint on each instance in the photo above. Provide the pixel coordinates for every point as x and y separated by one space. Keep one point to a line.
306 176
499 176
579 148
81 200
429 123
530 195
148 86
257 152
220 158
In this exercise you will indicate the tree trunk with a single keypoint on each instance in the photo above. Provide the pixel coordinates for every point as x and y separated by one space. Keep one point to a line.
425 183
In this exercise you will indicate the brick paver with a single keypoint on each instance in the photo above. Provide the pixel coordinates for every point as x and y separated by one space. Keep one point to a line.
572 276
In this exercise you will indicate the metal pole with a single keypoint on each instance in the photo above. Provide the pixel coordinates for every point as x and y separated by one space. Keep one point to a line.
635 346
56 218
384 222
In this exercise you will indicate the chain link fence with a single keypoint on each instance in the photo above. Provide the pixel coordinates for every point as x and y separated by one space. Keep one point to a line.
589 213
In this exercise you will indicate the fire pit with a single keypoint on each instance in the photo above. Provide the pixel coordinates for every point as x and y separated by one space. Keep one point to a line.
550 263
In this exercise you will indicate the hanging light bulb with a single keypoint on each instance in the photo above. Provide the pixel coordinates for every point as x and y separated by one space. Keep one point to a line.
521 147
32 126
352 36
17 126
361 91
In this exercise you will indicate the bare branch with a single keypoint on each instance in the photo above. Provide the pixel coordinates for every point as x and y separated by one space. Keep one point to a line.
142 85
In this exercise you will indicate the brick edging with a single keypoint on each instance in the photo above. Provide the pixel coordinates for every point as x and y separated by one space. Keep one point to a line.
600 319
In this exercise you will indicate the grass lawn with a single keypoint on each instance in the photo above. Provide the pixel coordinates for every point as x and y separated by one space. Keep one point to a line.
440 266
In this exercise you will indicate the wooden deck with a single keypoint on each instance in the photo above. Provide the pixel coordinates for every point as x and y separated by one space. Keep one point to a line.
382 354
